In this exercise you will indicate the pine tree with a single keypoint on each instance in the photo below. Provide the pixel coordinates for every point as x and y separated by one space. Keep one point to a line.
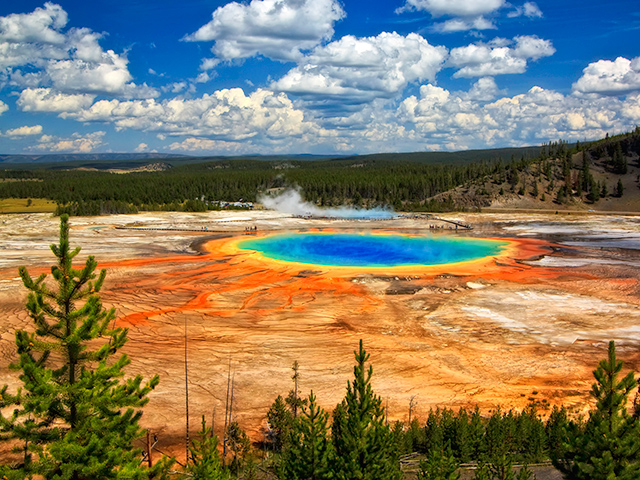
239 445
586 173
462 442
476 434
293 400
609 444
363 444
531 435
556 432
482 472
76 416
434 436
536 190
281 423
501 467
525 473
619 161
309 458
439 466
205 462
594 190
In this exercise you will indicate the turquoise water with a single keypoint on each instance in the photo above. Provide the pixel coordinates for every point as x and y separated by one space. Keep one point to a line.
354 250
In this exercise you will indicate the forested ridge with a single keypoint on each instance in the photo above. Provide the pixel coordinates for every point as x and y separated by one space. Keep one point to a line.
560 172
328 183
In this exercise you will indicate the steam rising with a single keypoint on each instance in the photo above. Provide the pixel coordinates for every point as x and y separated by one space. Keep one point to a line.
290 201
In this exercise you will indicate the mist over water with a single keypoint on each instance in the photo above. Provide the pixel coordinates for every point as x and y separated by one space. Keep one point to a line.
290 201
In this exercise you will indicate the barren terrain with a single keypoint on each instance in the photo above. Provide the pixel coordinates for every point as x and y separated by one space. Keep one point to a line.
530 324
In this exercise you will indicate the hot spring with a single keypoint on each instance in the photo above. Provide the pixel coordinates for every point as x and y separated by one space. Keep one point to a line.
372 250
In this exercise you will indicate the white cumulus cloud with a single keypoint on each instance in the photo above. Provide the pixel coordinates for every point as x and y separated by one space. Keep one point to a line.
3 107
67 61
458 8
605 77
498 57
277 29
466 14
529 9
110 76
363 69
77 143
485 89
195 144
24 131
462 24
227 114
46 100
526 119
42 25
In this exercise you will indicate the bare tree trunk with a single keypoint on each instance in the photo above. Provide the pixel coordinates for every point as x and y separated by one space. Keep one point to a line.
186 387
149 449
226 417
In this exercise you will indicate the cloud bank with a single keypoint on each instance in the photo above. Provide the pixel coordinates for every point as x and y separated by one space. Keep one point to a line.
351 94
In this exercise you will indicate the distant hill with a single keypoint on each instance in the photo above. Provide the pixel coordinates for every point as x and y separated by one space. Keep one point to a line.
599 176
452 158
106 161
75 157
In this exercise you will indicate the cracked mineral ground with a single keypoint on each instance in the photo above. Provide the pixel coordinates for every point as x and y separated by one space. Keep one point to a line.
529 323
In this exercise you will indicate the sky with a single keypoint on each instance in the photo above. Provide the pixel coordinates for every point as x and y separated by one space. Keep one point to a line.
208 77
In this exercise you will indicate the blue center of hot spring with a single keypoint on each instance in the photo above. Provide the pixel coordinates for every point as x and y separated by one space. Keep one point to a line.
354 250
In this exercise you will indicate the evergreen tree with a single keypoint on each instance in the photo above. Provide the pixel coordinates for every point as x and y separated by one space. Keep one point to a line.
636 402
525 473
76 415
239 445
536 190
281 425
476 433
363 444
501 467
462 443
403 441
619 188
594 190
11 428
531 435
496 439
434 436
608 446
205 458
482 472
586 173
556 432
293 400
439 466
562 194
619 161
309 457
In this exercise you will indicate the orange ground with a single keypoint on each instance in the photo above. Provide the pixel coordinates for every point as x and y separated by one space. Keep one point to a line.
488 332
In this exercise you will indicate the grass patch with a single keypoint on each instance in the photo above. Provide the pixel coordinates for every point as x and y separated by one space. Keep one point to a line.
22 205
7 180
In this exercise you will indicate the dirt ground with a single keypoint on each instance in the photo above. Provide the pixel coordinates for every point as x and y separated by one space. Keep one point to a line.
531 323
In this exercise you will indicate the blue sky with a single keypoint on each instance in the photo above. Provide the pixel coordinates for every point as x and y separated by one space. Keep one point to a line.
206 77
